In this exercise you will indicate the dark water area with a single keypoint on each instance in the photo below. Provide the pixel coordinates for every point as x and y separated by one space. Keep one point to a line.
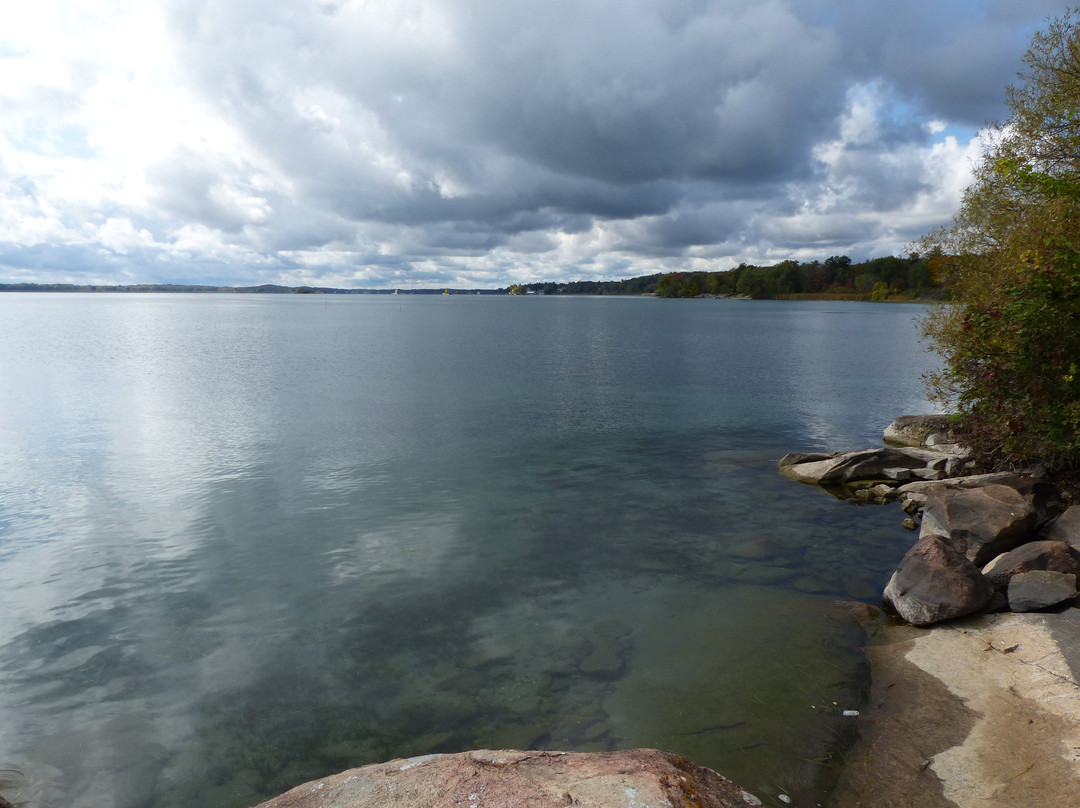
248 541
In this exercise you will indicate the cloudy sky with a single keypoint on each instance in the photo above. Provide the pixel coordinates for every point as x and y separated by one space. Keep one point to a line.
476 143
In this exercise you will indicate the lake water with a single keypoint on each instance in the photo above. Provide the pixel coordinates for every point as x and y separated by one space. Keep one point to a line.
246 541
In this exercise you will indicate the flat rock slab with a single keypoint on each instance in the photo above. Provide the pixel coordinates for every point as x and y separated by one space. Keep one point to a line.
640 778
864 465
981 713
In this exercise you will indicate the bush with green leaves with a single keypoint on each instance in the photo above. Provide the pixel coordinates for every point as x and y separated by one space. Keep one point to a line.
1011 342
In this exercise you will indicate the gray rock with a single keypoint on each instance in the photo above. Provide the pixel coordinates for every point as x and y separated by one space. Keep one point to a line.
980 522
1040 589
1056 556
918 430
900 475
912 503
998 603
936 582
512 779
924 487
927 474
1043 496
866 465
956 467
1066 528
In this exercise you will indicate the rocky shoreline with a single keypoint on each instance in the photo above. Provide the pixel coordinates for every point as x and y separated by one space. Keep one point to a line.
987 542
984 709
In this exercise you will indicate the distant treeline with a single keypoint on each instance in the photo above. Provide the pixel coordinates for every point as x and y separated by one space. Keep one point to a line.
886 278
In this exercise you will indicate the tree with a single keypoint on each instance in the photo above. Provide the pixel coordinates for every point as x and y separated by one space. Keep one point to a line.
918 276
788 277
756 282
1011 345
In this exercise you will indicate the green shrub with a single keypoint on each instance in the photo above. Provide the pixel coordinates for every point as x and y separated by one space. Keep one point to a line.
1011 343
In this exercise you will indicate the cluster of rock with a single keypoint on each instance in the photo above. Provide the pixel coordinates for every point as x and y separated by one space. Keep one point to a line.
513 779
990 542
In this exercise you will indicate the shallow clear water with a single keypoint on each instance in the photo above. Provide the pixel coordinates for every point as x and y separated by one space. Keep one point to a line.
246 541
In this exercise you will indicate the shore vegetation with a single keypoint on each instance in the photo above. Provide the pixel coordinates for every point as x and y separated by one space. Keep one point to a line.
1011 345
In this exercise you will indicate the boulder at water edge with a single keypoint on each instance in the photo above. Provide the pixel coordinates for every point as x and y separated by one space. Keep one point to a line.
936 582
513 779
980 522
923 432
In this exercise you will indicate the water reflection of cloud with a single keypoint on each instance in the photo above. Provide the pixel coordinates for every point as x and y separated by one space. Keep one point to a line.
415 549
122 442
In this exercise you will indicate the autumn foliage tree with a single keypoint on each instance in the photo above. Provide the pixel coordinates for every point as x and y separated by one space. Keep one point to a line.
1011 343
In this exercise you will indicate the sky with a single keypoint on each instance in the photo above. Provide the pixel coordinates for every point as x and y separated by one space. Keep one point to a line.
478 143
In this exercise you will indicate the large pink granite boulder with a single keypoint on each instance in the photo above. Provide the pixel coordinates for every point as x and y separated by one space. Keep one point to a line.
640 778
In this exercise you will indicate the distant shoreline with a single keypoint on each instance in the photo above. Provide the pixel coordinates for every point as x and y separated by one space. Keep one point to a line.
273 289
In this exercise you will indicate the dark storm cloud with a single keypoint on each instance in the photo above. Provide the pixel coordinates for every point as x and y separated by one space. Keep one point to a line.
440 139
953 58
523 106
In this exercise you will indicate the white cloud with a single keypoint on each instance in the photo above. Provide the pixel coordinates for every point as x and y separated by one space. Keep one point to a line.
385 142
872 190
120 236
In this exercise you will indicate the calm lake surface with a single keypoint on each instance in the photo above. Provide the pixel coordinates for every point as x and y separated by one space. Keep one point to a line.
246 541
